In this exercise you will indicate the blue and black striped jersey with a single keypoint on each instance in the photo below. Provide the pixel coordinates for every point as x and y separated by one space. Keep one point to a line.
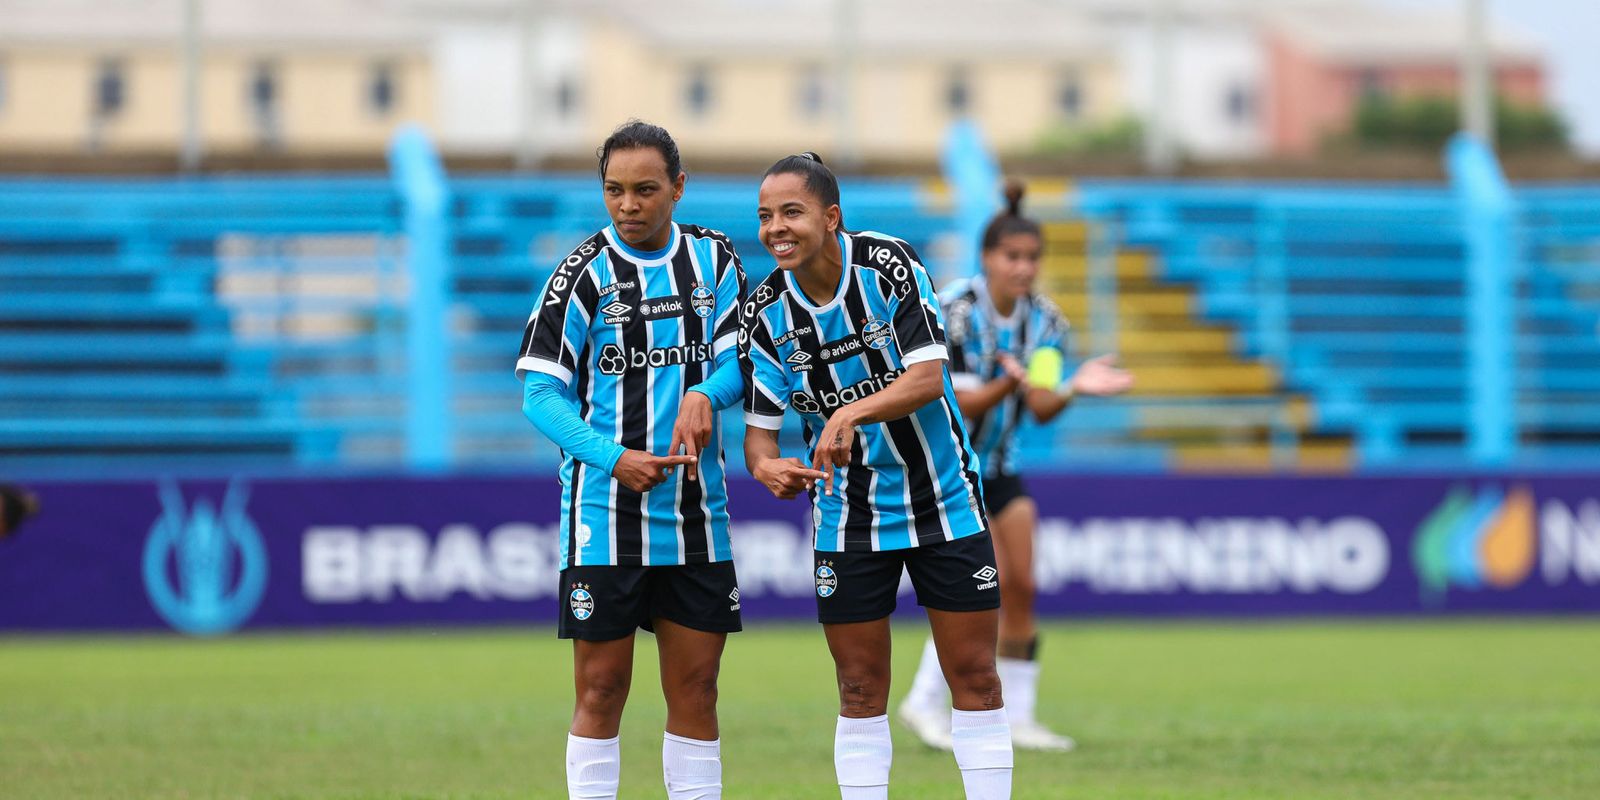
978 335
911 481
629 333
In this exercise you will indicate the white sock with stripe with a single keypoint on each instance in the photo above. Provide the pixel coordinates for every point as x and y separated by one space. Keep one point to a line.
982 741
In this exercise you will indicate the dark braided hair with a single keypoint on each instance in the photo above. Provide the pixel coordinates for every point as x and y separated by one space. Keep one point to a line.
635 134
820 180
1010 221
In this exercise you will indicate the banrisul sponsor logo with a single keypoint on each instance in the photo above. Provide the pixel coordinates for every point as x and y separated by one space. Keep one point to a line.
205 566
613 360
702 300
1494 539
661 307
829 400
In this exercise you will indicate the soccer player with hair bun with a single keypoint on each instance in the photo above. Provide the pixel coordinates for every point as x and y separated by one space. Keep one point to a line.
998 323
635 329
847 332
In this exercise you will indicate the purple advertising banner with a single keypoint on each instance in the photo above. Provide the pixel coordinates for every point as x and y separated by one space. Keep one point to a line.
207 557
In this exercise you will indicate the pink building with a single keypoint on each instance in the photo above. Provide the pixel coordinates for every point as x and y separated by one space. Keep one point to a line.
1322 60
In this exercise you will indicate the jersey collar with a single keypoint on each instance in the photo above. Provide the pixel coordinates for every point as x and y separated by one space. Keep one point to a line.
643 256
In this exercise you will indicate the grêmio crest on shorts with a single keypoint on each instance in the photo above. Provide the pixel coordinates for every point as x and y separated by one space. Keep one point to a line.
629 332
911 481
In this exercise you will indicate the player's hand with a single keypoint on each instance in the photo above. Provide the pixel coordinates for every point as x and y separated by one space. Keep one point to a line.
833 446
692 432
1013 370
641 471
786 478
1101 377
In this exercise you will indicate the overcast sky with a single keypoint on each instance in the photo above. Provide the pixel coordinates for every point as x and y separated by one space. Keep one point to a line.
1569 31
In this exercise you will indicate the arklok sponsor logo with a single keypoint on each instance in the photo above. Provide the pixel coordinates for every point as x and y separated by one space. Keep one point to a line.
661 307
205 565
1494 539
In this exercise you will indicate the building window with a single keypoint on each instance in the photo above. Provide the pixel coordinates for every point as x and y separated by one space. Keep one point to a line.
381 89
813 95
567 97
262 95
110 88
697 92
1069 95
1240 104
958 91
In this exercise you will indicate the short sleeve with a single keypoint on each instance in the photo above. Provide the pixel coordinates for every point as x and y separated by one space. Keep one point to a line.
766 386
557 332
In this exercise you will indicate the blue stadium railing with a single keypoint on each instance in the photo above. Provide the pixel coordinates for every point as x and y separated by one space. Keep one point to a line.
263 322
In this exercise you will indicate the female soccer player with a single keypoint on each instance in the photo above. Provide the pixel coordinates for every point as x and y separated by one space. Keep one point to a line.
847 332
997 323
639 325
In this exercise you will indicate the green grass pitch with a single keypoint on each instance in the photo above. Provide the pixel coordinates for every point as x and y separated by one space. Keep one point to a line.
1480 709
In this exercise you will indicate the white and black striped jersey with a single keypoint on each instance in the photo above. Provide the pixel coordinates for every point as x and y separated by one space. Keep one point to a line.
977 337
629 332
911 481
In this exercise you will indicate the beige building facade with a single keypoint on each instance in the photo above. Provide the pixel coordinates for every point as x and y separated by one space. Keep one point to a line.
337 77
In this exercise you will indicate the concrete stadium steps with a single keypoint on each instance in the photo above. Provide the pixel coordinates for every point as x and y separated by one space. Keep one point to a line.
1195 397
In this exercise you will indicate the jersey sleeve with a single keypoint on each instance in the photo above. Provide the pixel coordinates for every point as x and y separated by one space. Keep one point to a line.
558 329
730 299
918 326
1053 326
766 392
965 353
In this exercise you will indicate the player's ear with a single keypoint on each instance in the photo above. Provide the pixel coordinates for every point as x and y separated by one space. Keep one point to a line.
677 186
831 217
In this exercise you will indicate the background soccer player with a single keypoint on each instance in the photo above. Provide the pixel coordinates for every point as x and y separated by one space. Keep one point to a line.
637 326
997 323
847 333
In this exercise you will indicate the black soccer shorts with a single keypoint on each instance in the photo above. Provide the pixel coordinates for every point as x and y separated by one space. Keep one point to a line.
601 603
957 575
1001 490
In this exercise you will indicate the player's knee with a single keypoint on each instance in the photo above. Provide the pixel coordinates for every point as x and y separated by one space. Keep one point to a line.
1017 584
696 690
862 694
602 693
979 683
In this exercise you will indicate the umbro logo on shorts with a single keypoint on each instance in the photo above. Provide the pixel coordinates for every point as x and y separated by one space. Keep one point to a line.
734 596
986 578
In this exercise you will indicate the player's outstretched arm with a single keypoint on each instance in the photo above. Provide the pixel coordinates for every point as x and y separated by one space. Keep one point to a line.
786 478
1097 377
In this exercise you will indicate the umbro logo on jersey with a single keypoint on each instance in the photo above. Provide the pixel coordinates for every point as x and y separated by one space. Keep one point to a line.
616 312
986 578
800 361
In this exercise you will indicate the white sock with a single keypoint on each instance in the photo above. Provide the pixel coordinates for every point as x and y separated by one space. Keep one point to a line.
982 741
1019 680
927 688
593 767
692 768
862 751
